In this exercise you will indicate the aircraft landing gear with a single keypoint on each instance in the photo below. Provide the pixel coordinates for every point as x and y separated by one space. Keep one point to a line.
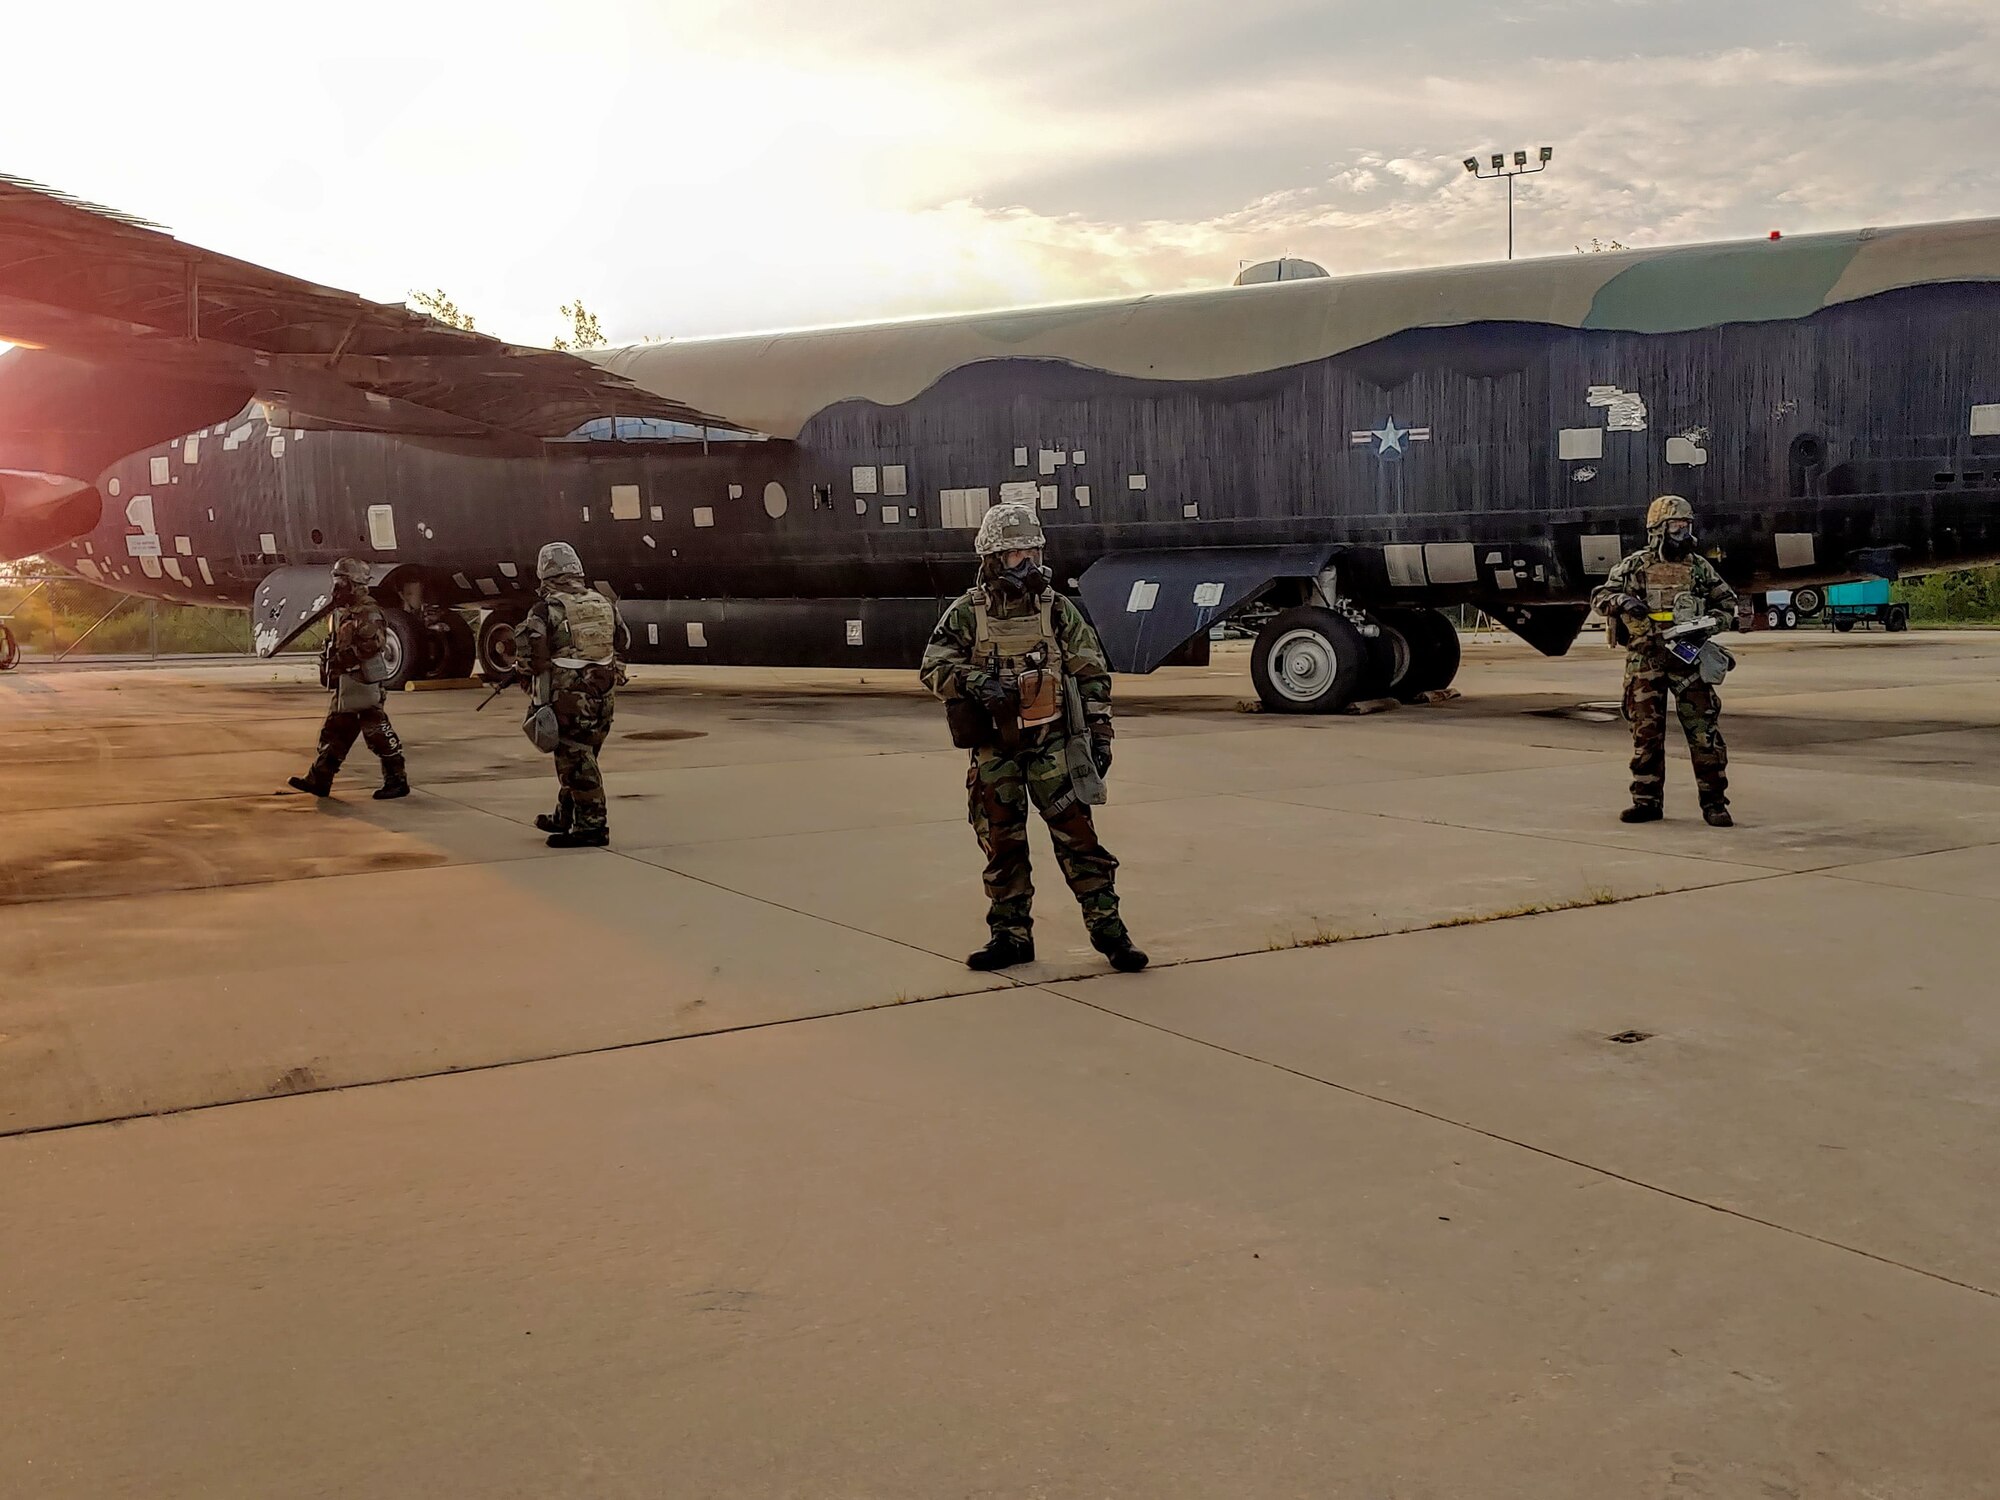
496 644
1427 644
1309 660
404 644
10 649
1314 660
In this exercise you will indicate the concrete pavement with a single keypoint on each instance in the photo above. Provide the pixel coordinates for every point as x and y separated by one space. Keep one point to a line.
374 1149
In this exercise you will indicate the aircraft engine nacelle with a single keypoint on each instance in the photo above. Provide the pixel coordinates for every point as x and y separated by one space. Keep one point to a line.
40 511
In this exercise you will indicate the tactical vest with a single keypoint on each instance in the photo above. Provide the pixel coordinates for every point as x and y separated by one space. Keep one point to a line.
1669 588
1030 656
585 629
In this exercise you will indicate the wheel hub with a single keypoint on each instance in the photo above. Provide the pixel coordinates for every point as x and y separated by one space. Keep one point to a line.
1303 664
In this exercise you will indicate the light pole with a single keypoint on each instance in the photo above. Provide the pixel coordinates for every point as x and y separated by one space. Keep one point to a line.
1500 168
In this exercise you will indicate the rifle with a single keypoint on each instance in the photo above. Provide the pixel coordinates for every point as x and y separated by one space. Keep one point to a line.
504 683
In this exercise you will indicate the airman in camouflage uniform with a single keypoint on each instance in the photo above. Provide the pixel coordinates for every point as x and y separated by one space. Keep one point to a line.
350 665
568 648
1011 635
1665 583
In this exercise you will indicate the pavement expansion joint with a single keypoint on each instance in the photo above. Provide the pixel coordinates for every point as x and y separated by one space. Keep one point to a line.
1545 1152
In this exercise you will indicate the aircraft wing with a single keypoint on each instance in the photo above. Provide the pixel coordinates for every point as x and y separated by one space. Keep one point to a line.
111 291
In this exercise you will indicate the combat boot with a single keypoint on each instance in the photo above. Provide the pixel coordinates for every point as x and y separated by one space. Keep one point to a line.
395 781
313 782
1002 952
579 838
555 822
1117 946
1642 812
1716 815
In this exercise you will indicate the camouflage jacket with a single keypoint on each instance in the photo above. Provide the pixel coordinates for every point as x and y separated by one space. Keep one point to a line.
948 657
354 638
1628 578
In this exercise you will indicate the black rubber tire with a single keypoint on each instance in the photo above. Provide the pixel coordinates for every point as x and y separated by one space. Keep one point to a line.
1434 653
1773 619
10 650
1808 601
1389 656
495 650
459 650
405 645
1321 662
1791 619
1898 618
1843 623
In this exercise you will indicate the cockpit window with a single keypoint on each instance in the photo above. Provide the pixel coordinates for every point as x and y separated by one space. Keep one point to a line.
654 430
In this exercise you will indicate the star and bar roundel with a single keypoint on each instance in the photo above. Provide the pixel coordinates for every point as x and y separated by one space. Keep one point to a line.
1390 439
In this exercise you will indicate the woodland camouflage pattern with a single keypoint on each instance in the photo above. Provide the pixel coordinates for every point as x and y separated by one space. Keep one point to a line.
356 708
582 700
1000 784
1651 674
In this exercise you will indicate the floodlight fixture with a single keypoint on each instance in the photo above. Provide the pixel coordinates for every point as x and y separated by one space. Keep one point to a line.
1501 168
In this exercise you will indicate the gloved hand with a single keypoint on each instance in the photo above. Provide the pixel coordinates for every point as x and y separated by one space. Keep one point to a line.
1632 604
1100 746
993 693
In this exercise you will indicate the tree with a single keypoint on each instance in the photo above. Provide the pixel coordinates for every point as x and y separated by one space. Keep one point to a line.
1597 246
437 305
584 332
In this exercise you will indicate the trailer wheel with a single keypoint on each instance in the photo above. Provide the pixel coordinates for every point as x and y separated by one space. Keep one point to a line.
1308 660
1843 623
1808 601
1791 618
1772 618
1898 618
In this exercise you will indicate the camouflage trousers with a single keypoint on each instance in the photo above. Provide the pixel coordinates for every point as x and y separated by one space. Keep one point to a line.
372 726
999 785
583 720
1699 706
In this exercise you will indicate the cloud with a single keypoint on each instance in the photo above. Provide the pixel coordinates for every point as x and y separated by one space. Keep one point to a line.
729 164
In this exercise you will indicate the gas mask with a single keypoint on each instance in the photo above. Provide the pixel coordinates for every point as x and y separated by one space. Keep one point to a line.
1025 579
1678 542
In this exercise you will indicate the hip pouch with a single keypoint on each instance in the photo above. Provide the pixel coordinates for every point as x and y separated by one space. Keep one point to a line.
541 729
970 724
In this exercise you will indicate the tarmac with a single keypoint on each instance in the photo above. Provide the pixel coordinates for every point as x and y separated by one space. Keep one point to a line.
1461 1142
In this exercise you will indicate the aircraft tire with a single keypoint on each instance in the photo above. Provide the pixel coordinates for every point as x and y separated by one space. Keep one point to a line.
456 650
1309 660
495 651
405 647
1389 656
1434 652
10 650
1807 601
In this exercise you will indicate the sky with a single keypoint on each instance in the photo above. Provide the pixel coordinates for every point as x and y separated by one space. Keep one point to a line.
691 167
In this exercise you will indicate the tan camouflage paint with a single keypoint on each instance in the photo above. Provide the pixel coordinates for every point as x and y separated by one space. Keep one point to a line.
775 382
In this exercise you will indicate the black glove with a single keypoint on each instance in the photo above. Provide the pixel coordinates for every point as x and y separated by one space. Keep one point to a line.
1100 748
993 693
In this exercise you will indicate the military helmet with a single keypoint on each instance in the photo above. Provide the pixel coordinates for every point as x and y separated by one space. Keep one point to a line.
352 570
556 559
1667 508
1009 526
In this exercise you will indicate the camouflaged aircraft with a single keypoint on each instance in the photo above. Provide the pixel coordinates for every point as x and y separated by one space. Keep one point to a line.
1327 460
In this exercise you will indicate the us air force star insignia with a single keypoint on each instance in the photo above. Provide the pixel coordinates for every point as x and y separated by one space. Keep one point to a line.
1389 439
